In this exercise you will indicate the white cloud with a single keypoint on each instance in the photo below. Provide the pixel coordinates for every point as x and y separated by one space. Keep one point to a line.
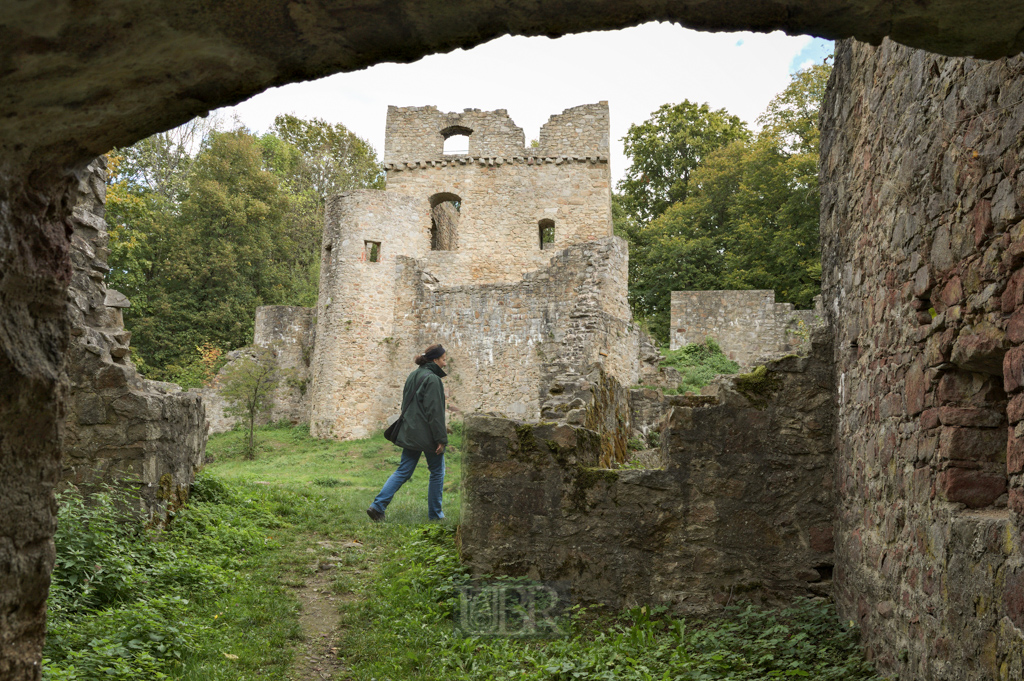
636 70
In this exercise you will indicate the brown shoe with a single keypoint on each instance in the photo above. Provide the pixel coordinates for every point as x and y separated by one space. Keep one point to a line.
375 515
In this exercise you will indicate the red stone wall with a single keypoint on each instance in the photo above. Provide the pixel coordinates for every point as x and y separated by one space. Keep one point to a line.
922 222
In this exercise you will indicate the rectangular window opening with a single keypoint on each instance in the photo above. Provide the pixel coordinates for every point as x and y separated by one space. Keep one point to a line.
371 252
546 229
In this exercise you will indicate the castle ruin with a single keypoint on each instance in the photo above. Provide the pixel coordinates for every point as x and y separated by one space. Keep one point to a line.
749 326
504 254
921 211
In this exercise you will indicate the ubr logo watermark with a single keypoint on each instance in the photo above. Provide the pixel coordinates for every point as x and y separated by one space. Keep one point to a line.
533 609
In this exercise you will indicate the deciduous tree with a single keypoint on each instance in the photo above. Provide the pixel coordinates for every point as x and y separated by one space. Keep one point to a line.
208 224
248 384
666 148
749 219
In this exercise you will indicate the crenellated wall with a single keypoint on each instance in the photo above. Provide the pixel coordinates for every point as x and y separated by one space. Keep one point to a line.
923 259
462 263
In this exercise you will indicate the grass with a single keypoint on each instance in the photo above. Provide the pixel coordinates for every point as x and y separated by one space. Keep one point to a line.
210 597
213 595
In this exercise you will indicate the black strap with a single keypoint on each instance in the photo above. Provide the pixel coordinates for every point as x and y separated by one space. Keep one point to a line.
415 391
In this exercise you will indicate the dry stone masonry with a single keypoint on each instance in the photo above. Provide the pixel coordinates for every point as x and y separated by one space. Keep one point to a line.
120 429
923 259
748 325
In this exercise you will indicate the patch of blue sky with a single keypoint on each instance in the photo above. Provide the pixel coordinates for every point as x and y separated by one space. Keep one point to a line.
813 53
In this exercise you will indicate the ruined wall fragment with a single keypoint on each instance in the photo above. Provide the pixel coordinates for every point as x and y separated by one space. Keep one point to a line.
147 437
742 508
290 331
748 325
921 218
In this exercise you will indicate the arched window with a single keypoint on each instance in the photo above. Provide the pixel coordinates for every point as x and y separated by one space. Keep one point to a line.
456 140
445 209
546 232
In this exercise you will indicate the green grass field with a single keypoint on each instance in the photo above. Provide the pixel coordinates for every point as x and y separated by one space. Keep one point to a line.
216 595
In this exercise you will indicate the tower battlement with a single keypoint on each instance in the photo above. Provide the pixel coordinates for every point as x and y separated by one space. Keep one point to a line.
417 135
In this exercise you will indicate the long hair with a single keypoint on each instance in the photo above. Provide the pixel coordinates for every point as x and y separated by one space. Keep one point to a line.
422 359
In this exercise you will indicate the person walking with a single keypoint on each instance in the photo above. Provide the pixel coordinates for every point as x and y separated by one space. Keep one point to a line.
422 431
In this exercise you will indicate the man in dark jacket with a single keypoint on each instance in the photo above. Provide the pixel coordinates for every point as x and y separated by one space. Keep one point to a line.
423 431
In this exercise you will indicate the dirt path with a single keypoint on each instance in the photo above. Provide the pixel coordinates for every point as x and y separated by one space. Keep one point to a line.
317 659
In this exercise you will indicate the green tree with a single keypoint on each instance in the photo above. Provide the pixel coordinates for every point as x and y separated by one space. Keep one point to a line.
247 384
750 217
207 224
331 158
666 148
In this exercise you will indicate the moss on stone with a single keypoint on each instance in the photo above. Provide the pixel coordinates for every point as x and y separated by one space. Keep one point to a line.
164 490
560 453
758 386
586 478
527 442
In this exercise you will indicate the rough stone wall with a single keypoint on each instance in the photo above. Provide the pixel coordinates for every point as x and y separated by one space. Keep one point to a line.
741 509
507 343
505 189
290 331
35 269
748 325
502 205
507 307
356 311
922 198
579 131
418 132
120 429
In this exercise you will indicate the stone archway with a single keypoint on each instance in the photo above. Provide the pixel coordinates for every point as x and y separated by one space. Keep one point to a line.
79 79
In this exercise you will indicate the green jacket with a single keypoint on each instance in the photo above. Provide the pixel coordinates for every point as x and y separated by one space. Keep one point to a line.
423 426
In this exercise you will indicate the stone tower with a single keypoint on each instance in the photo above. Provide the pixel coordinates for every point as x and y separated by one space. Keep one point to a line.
460 249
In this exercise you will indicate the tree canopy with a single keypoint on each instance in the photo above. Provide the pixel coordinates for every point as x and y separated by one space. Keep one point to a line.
666 148
748 216
208 224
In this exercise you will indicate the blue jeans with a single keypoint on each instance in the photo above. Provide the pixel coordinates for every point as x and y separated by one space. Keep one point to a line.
410 457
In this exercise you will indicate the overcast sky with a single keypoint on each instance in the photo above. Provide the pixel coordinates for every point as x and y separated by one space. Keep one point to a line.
636 70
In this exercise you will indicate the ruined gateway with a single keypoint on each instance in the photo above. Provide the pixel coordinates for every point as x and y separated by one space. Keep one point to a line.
921 211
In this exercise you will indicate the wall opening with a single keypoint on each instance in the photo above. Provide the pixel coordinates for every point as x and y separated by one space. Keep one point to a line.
445 209
371 251
546 233
456 140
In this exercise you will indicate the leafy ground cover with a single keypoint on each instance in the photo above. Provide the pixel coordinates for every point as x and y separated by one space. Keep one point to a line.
698 364
216 594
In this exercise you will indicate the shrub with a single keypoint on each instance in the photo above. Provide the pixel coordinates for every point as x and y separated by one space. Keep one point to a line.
698 364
